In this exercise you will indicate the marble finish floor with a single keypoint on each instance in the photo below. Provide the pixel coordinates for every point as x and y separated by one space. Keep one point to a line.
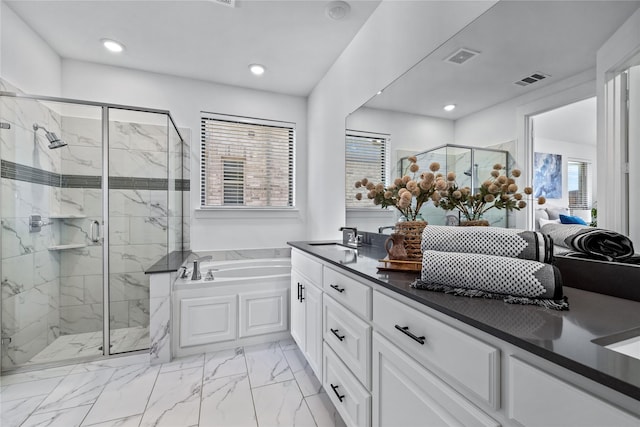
260 386
89 344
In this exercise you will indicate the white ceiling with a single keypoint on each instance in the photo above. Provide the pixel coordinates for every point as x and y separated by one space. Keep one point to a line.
203 40
572 123
515 39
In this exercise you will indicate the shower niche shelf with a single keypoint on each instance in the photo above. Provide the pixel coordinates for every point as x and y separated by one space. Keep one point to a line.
65 247
66 216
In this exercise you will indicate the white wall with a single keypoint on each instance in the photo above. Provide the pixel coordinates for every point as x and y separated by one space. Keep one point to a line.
185 98
396 36
27 61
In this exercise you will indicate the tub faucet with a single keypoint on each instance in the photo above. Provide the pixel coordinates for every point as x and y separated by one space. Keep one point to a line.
196 267
387 227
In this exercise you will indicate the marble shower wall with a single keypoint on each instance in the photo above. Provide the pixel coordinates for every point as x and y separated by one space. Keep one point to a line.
29 184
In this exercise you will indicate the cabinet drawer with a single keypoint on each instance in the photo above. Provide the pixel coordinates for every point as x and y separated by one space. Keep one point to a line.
349 337
471 363
350 398
537 398
308 267
348 292
406 394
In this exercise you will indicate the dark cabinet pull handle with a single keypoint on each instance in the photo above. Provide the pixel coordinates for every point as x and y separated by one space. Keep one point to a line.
335 390
405 330
301 293
335 332
337 288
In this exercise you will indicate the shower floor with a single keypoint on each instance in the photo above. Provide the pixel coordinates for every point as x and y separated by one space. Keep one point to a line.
89 344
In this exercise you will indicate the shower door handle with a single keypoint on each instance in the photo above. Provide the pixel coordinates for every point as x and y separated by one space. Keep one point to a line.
95 231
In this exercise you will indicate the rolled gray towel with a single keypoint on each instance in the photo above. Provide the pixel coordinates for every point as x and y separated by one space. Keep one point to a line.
595 243
513 280
506 242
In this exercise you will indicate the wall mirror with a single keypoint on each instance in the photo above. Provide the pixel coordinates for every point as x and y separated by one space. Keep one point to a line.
515 54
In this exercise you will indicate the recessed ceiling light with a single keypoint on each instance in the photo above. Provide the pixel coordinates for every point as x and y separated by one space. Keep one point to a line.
450 107
337 10
257 69
112 45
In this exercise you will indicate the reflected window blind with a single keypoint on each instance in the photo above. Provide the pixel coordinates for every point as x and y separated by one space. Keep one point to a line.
366 157
246 162
579 182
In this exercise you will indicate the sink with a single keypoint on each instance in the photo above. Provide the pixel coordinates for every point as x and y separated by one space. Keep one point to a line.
337 251
331 244
627 343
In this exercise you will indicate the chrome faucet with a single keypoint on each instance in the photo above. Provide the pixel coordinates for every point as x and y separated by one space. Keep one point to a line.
196 267
354 239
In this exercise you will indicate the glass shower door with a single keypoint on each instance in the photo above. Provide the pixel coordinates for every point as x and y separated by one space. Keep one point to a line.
138 220
51 213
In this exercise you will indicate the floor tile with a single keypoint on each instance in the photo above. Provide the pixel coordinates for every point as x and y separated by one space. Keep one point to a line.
224 363
323 411
114 362
13 413
28 389
126 394
266 364
42 374
288 344
309 384
281 404
175 399
187 362
133 421
69 417
227 401
76 390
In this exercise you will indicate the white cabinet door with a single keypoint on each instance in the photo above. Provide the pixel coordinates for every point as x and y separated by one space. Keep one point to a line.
406 394
296 304
313 328
540 399
263 312
207 320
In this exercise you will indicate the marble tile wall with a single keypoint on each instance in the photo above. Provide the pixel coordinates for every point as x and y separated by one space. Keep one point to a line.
29 279
49 293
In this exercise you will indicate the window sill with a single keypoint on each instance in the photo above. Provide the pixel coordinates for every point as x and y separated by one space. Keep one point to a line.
242 213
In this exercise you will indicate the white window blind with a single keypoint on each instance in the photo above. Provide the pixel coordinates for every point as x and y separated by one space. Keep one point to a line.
366 157
579 184
246 162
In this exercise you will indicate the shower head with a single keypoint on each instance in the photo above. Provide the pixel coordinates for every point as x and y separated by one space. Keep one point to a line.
54 141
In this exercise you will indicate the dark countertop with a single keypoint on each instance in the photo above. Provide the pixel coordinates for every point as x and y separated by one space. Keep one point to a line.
169 263
562 337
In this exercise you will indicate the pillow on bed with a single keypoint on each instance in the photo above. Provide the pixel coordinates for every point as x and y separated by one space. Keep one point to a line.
544 222
568 219
554 213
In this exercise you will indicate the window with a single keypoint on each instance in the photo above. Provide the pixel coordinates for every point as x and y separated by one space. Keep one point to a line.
579 184
366 157
246 162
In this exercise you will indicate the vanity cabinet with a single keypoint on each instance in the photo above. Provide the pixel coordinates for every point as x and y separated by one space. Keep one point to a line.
540 399
306 308
407 394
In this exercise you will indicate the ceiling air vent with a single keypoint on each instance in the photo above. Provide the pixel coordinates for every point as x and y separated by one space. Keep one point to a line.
533 78
461 56
229 3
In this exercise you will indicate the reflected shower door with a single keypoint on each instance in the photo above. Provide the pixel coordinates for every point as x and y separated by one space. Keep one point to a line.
51 211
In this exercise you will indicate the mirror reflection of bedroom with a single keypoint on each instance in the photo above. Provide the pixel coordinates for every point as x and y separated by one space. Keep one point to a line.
565 163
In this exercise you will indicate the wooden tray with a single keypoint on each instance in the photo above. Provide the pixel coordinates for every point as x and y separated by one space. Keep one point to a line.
397 265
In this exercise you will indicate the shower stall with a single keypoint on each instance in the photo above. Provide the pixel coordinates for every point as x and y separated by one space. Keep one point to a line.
91 195
472 166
